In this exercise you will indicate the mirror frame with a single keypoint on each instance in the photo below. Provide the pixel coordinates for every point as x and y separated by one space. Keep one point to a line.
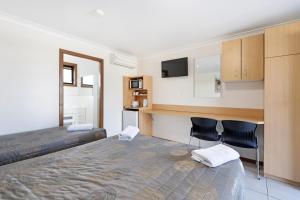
63 52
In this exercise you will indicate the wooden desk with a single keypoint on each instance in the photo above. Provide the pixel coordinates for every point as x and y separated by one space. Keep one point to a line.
219 113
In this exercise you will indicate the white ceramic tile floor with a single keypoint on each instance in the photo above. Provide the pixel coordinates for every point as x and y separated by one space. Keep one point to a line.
252 195
267 189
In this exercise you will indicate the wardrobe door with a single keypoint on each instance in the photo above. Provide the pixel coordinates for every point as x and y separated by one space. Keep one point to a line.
282 117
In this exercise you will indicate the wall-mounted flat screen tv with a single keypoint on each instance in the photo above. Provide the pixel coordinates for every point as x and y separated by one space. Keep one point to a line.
174 68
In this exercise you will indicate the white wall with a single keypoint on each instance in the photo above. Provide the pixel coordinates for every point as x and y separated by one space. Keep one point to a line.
29 59
179 91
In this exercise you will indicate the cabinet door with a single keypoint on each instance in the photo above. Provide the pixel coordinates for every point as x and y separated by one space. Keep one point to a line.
231 60
253 58
282 117
283 40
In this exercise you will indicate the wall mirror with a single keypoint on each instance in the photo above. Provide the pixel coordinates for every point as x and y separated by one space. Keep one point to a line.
207 77
81 89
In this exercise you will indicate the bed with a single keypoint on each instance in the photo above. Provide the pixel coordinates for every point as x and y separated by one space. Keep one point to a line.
20 146
145 168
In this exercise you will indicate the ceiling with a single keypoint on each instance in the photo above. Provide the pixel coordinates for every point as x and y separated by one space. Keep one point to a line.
146 27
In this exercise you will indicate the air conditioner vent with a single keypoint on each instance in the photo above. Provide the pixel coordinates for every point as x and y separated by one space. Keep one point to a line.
124 60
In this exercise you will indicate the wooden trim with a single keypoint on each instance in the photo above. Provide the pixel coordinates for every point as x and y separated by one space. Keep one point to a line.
282 180
74 76
62 52
80 55
61 87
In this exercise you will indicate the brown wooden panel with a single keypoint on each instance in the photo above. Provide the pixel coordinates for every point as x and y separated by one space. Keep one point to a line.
147 84
145 123
127 94
282 40
253 58
231 63
282 118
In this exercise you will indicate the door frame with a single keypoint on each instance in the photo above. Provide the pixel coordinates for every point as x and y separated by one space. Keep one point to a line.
63 52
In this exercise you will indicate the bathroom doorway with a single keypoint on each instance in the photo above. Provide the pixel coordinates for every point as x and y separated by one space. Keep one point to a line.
80 89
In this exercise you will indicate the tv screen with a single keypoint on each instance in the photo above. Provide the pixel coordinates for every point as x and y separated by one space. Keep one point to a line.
174 68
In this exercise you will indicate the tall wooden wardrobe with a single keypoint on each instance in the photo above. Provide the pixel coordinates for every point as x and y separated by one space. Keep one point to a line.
282 102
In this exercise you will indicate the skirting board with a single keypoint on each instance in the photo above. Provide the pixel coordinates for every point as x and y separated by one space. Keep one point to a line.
282 180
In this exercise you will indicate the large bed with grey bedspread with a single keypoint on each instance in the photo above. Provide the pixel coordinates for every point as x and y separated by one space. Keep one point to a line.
145 168
21 146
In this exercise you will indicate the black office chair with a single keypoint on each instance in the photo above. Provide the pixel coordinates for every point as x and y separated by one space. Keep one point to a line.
241 134
204 129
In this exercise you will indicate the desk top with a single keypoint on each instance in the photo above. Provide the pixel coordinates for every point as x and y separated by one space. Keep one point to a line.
219 113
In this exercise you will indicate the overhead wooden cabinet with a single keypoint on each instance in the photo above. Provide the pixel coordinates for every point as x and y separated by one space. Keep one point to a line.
231 60
283 40
282 117
243 59
253 58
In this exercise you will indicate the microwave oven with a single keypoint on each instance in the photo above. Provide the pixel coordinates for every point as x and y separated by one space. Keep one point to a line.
136 84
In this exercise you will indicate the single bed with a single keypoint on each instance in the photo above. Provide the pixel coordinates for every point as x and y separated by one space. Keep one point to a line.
20 146
145 168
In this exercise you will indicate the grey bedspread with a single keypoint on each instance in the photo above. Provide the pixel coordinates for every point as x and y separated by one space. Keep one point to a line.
20 146
145 168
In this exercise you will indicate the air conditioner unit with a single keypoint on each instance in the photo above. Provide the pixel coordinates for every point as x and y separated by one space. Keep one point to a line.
124 60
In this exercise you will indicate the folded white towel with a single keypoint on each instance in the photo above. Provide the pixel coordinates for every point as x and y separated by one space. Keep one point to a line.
80 127
129 133
215 156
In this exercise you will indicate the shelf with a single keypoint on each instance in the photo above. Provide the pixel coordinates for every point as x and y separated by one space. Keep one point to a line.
140 95
136 89
129 108
138 108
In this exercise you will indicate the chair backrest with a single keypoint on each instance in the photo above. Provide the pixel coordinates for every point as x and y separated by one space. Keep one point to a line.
204 123
204 128
239 133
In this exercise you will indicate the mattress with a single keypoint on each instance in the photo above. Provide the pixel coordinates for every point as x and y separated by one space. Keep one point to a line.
144 168
20 146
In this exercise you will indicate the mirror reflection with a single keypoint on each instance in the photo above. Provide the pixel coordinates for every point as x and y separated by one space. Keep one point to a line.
207 77
81 91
